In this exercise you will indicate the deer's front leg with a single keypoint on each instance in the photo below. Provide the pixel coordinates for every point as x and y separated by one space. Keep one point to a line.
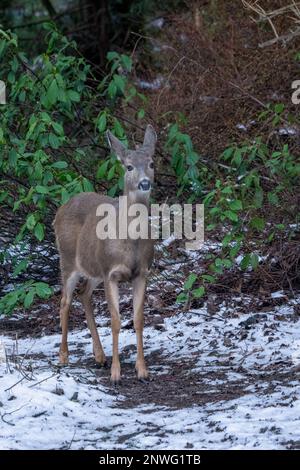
139 287
112 297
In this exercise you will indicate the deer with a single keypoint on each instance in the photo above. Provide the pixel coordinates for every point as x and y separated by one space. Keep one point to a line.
109 261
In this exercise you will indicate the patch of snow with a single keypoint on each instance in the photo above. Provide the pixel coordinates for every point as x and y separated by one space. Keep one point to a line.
287 131
72 408
278 294
153 85
241 127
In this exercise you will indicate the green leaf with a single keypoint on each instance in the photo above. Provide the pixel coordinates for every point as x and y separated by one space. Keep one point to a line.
227 153
254 260
245 262
39 231
112 55
30 221
42 189
190 281
227 263
87 185
208 278
12 158
52 92
73 95
21 267
60 165
58 128
102 170
199 292
237 158
231 215
43 290
111 173
29 298
273 199
120 83
126 62
112 90
182 297
236 205
279 108
65 196
54 141
258 223
101 124
141 114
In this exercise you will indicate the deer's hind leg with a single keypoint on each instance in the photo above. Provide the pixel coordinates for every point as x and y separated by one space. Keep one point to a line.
69 284
139 287
86 299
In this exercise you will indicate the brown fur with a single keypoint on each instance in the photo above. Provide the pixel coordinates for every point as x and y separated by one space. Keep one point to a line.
108 261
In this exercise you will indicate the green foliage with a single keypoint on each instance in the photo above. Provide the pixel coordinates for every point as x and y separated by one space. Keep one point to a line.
185 162
255 182
52 135
24 295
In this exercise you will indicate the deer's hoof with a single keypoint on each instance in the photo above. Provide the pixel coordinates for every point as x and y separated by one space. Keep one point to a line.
100 360
115 376
63 358
142 373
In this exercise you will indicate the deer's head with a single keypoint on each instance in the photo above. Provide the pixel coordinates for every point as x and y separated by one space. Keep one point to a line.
138 164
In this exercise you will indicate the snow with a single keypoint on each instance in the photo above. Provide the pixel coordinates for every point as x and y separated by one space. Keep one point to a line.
44 407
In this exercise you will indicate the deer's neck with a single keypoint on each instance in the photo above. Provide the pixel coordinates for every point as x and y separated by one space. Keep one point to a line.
137 197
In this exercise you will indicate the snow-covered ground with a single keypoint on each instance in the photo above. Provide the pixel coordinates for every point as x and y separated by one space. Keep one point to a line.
239 386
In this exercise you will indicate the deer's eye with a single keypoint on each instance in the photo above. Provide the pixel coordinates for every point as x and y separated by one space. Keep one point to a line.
129 167
151 165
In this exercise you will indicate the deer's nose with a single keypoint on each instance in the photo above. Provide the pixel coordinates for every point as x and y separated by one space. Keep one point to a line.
144 185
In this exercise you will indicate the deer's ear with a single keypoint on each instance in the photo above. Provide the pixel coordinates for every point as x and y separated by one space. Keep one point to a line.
116 145
150 139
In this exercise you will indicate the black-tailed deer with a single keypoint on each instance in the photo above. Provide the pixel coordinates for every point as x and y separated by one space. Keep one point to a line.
83 253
